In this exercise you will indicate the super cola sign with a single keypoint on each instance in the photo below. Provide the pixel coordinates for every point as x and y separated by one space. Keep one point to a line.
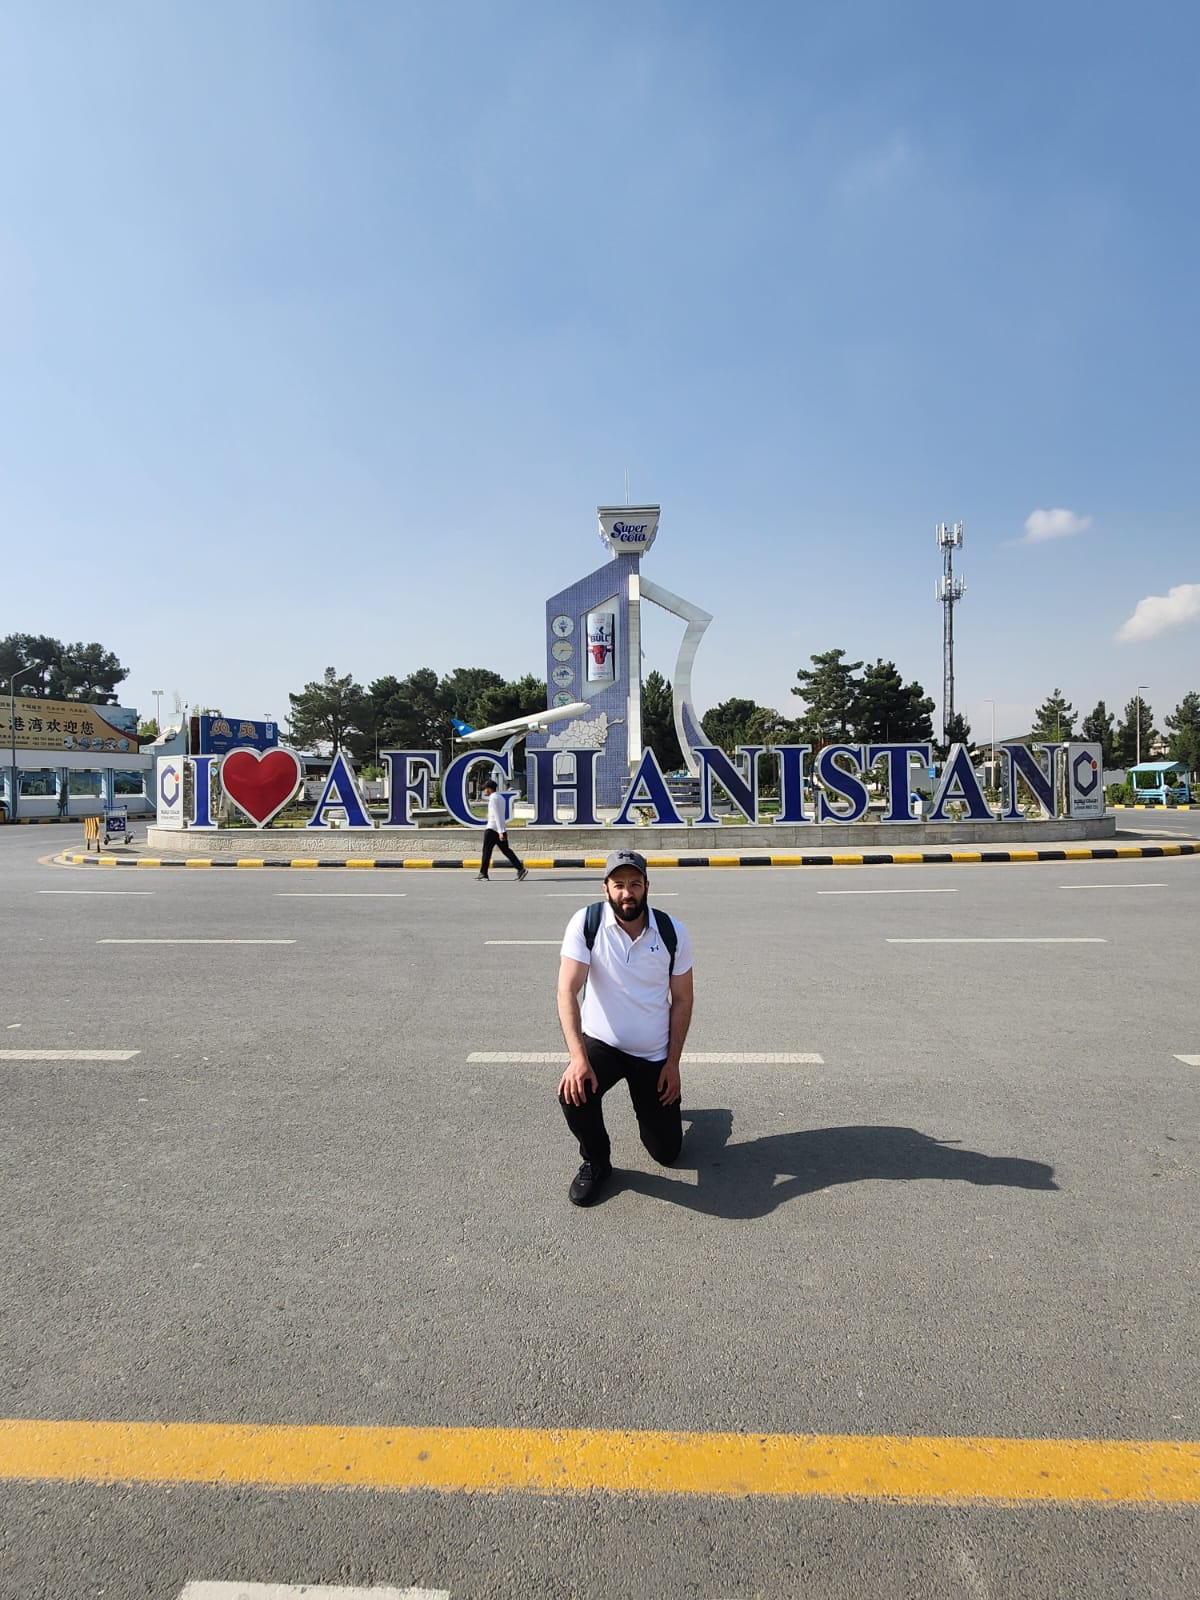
828 785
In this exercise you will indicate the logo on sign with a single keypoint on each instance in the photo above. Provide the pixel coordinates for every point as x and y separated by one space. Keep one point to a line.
1085 773
168 786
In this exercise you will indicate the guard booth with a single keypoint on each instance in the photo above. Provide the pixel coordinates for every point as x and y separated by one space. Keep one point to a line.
1160 783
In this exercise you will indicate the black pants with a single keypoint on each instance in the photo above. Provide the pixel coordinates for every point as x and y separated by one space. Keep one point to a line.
490 840
661 1127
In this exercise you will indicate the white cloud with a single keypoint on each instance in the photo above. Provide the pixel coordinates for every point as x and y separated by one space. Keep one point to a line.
1057 524
1158 613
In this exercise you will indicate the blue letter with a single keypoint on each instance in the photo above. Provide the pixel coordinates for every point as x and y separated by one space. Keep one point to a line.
404 788
791 782
841 782
649 777
716 764
581 788
342 785
899 794
960 783
454 784
1023 763
202 791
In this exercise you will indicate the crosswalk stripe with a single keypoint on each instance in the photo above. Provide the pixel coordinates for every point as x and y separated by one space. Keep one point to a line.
704 1058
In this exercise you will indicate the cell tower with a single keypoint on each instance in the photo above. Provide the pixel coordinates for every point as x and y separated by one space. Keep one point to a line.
948 589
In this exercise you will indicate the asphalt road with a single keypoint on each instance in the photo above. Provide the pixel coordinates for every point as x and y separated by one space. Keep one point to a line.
301 1202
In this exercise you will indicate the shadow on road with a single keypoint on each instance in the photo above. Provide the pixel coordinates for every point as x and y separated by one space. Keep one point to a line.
752 1179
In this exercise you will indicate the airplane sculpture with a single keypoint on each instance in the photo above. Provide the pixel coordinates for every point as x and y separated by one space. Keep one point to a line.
518 727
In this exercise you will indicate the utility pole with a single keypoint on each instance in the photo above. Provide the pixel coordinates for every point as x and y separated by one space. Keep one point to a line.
948 589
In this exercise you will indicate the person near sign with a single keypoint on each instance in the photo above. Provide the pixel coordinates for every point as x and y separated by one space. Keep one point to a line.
495 835
631 1023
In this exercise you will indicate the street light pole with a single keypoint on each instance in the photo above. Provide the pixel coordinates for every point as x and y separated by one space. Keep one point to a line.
992 703
1140 687
12 733
158 694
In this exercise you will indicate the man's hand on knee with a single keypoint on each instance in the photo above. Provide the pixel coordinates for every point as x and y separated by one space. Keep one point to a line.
669 1087
573 1085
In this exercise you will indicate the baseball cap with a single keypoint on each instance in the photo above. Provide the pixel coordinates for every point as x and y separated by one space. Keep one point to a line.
624 858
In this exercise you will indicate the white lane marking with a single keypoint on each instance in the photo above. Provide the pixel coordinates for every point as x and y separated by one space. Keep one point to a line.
996 941
195 941
292 1591
887 891
705 1058
97 891
523 941
68 1055
1112 886
339 894
10 1025
1189 1061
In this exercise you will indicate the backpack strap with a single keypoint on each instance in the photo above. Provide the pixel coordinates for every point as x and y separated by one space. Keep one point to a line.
668 935
591 922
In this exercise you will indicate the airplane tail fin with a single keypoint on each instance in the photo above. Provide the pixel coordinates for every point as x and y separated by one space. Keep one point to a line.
461 728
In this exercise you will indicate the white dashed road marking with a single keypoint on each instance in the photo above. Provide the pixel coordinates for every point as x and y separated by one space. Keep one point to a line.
68 1055
293 1591
996 941
1189 1061
1112 886
195 941
702 1058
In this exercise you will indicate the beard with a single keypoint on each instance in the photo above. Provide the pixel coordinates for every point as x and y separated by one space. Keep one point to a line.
627 908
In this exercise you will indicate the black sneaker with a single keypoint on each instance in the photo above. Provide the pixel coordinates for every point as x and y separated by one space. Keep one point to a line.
522 874
482 877
588 1182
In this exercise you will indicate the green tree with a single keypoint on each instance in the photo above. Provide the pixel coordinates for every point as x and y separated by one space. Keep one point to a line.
730 723
830 691
957 731
328 712
1097 728
1135 728
1055 720
464 689
658 722
85 672
1183 725
506 700
889 711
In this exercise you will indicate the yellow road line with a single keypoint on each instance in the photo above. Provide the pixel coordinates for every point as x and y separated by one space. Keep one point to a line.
564 1461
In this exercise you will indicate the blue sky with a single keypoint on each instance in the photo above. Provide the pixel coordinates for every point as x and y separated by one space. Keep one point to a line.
324 329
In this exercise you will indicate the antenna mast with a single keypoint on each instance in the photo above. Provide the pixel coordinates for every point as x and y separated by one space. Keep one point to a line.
948 590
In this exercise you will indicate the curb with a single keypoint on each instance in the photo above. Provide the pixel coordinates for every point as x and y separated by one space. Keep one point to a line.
1120 852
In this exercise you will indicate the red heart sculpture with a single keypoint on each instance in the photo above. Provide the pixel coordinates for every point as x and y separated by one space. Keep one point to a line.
261 785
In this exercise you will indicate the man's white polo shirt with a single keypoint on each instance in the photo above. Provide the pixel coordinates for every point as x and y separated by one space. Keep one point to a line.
627 1000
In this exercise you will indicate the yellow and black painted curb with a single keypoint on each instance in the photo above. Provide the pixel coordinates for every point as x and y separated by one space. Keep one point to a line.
872 858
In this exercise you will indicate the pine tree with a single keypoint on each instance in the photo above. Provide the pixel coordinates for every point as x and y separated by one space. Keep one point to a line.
1097 727
1184 727
830 692
1054 721
1126 752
